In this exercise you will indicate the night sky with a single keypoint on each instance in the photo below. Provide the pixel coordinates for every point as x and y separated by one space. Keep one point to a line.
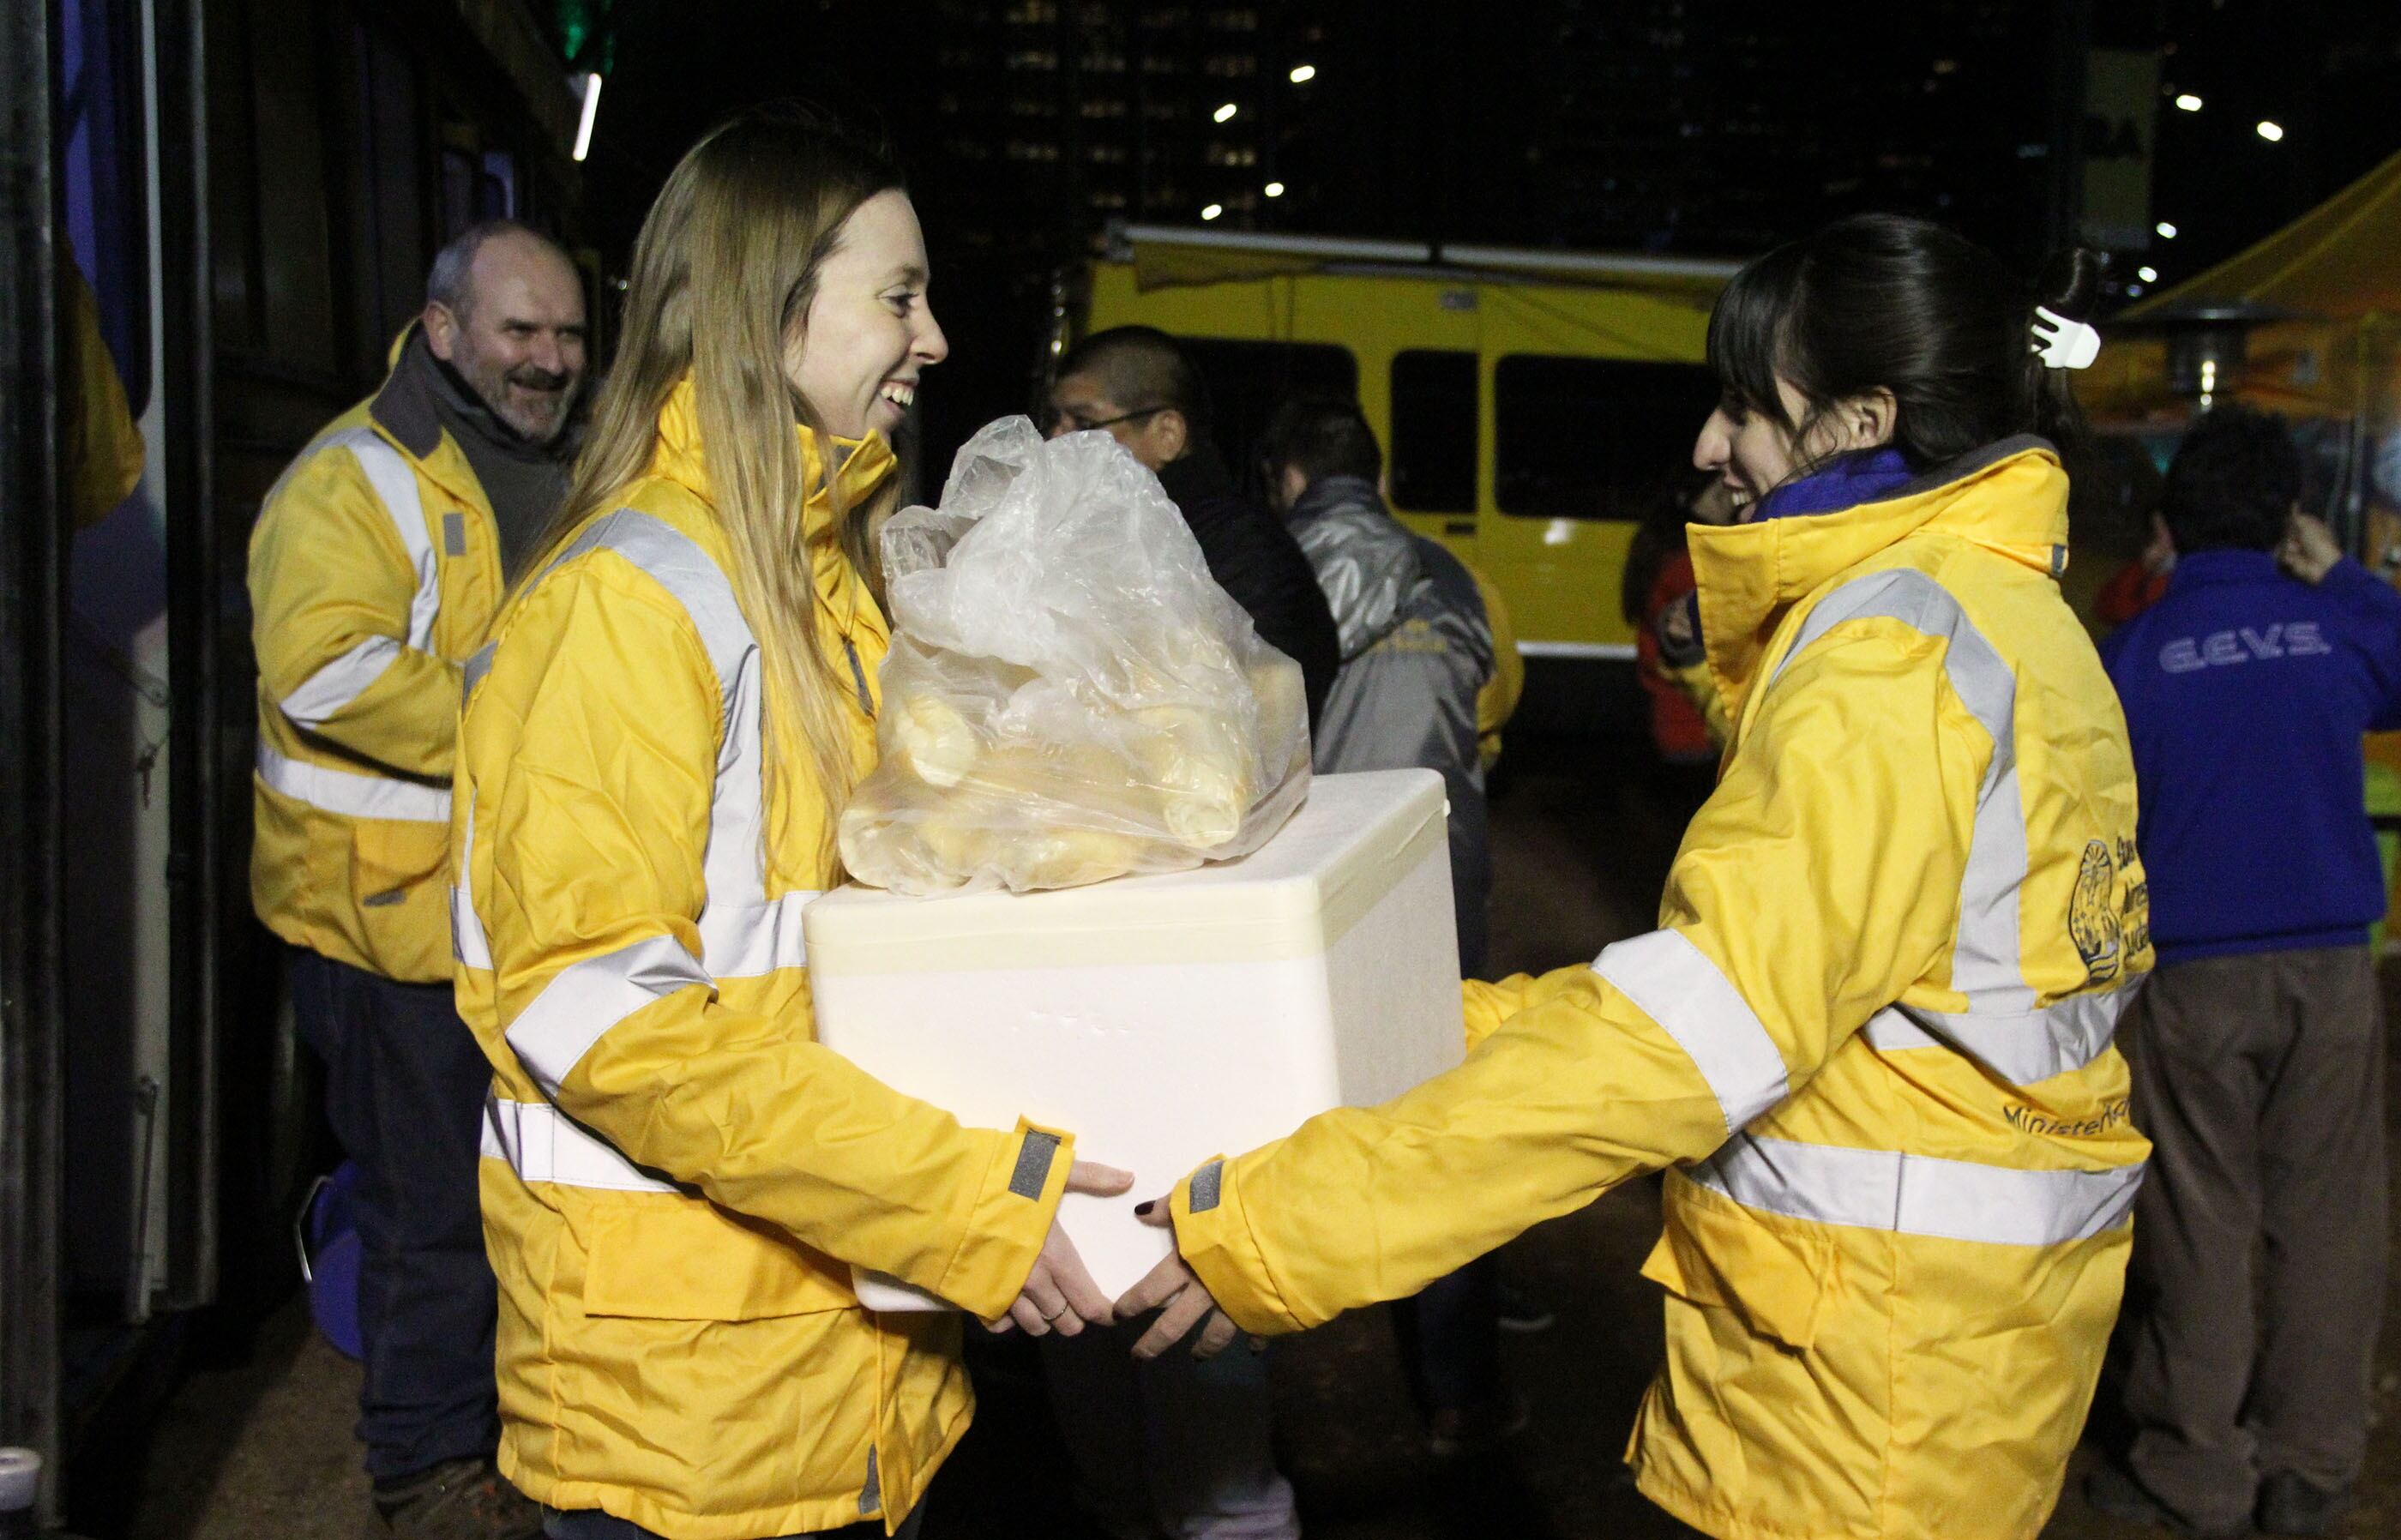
1674 125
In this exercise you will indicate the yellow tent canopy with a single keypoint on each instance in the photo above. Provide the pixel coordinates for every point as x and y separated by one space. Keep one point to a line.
2324 341
2341 260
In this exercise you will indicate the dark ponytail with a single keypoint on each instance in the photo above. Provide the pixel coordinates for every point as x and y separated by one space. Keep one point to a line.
2070 286
1880 301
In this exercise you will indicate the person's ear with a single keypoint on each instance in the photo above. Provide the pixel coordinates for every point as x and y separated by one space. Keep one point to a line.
1868 419
1170 435
440 329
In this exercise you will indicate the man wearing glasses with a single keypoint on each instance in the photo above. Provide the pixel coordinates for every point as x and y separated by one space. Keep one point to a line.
1137 385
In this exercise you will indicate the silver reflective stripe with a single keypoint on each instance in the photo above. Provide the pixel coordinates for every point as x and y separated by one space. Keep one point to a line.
352 795
1674 983
1918 1194
2022 1047
468 946
541 1144
471 672
1986 961
340 682
742 932
395 481
745 944
585 999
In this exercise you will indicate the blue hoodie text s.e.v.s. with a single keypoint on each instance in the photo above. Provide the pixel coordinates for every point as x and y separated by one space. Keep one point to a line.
2247 693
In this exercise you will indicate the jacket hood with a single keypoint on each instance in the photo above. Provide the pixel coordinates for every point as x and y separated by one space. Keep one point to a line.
1365 562
2009 498
859 466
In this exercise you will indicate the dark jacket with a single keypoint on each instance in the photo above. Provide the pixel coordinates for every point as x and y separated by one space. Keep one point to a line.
1417 651
2246 692
1253 558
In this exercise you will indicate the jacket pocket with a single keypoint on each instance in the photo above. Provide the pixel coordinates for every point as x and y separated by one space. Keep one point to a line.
1774 1274
669 1259
390 858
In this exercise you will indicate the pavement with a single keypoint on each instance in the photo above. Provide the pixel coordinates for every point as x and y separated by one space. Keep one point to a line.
260 1446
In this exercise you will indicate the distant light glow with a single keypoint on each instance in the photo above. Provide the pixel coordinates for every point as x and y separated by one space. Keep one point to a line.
1303 73
591 115
2134 291
2270 131
2149 275
1213 210
1226 112
2189 102
1273 189
2166 231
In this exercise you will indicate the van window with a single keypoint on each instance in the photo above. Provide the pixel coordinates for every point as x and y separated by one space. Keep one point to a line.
1587 437
1432 451
1248 380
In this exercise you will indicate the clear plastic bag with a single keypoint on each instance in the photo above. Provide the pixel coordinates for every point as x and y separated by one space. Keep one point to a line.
1070 696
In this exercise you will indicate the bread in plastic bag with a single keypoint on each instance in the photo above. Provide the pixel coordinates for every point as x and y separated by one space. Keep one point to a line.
1069 696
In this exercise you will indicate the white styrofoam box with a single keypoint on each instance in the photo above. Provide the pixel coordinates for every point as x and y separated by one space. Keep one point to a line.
1162 1020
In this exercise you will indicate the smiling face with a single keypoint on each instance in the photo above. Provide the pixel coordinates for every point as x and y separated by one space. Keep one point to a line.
868 333
518 334
1751 454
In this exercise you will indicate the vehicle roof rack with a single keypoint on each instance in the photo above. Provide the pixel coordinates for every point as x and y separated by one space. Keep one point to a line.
1123 238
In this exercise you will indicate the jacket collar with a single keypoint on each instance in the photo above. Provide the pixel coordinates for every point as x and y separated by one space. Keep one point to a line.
859 466
402 409
2202 569
2009 498
1327 494
1199 476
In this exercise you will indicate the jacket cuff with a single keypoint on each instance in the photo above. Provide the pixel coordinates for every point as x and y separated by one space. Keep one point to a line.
1008 1219
1217 1246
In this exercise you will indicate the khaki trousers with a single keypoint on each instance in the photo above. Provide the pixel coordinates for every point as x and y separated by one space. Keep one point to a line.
2258 1279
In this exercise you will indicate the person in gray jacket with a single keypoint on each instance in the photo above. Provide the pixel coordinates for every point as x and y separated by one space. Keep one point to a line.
1429 669
1428 673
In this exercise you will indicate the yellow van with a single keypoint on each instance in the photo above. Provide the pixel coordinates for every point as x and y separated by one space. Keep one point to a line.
1528 402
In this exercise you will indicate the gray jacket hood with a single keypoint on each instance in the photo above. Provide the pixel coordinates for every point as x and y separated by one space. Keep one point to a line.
1365 562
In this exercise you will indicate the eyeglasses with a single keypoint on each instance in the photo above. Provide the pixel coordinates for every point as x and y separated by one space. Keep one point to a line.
1078 422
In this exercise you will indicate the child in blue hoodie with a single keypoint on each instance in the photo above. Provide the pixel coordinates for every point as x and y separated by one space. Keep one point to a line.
2257 1047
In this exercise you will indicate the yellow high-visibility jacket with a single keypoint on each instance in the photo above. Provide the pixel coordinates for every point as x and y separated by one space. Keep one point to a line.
375 570
676 1175
1871 1038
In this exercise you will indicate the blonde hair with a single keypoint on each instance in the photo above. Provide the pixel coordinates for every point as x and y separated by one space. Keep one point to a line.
722 275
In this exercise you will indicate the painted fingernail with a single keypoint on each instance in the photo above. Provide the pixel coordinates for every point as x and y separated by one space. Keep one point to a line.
1143 1209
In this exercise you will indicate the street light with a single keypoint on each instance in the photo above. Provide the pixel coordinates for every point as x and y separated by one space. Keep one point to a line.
2270 131
1213 210
2189 102
1226 112
1303 73
1273 189
2166 231
591 113
2149 275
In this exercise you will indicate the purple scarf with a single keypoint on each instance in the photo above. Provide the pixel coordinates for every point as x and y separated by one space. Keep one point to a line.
1846 481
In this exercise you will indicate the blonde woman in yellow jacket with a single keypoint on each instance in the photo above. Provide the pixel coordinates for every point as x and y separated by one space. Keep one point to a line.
1871 1038
655 750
